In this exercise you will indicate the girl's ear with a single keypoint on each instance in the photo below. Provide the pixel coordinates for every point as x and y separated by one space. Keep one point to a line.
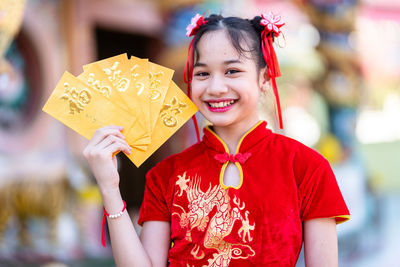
264 79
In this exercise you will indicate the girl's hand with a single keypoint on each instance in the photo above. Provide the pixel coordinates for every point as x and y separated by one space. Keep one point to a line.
100 154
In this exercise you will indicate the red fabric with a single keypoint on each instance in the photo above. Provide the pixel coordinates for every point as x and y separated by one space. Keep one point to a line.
239 157
259 224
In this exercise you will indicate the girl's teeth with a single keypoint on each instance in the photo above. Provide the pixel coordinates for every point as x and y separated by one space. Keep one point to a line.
221 104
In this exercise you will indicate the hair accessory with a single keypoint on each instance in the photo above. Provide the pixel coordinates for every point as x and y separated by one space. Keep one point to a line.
272 25
239 157
196 22
111 216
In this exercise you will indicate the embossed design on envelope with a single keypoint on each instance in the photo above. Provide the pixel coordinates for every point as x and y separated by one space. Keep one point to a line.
155 82
103 89
169 111
77 99
134 74
114 76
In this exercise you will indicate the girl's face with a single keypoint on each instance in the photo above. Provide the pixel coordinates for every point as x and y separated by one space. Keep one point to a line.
225 85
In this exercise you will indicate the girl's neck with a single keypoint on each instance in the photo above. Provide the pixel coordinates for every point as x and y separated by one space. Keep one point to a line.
232 134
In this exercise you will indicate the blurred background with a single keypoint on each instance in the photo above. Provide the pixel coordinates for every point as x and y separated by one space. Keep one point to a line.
340 94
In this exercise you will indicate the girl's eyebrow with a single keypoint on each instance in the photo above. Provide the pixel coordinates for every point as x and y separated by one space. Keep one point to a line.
199 64
226 62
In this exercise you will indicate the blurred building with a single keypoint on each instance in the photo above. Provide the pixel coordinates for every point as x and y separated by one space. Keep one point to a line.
340 93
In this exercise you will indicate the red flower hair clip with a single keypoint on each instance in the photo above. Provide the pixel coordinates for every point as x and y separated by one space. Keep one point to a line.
196 22
272 25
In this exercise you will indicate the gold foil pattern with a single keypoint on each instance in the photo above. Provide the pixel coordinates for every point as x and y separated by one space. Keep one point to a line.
77 99
170 110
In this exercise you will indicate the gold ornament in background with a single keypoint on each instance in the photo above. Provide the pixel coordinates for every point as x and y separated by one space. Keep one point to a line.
34 197
11 14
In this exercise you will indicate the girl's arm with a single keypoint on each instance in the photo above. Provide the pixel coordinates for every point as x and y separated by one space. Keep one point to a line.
127 248
320 243
155 237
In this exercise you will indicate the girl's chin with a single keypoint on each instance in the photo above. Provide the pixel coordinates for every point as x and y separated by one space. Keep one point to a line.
219 120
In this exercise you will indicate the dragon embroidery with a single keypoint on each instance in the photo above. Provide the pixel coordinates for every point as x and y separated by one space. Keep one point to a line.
219 225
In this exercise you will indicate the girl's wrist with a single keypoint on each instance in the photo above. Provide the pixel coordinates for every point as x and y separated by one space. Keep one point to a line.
109 189
111 197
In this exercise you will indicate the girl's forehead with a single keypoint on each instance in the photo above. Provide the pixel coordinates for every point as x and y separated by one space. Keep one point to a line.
218 45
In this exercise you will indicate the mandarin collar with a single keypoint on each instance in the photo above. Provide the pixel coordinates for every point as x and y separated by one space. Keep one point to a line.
248 140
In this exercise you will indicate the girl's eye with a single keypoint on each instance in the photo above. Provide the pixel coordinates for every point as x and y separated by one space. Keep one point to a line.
232 71
201 74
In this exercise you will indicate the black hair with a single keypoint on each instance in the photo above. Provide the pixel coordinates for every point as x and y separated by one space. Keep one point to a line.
239 30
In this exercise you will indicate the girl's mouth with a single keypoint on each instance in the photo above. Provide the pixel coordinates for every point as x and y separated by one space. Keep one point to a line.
221 105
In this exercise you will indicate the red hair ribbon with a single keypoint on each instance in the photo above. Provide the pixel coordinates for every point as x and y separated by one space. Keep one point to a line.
105 214
196 22
239 157
272 25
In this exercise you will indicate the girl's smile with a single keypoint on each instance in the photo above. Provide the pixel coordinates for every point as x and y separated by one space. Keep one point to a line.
220 105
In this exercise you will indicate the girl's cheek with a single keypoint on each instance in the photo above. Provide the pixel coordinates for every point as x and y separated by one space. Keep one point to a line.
195 94
197 101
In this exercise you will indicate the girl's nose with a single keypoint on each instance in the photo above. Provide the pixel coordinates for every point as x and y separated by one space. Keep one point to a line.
217 86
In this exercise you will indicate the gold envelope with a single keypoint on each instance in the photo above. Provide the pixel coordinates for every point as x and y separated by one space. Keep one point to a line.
96 78
119 73
176 110
139 69
85 110
160 79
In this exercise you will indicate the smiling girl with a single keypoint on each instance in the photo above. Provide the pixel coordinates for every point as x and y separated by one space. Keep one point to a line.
243 195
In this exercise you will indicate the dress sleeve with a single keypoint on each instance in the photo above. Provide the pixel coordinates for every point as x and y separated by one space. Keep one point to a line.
320 196
154 206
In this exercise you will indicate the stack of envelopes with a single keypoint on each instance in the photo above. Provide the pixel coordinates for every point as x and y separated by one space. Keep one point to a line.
133 93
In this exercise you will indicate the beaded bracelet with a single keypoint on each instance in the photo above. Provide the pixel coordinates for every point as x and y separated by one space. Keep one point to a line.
111 216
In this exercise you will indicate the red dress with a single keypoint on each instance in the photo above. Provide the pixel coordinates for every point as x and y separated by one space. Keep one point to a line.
259 223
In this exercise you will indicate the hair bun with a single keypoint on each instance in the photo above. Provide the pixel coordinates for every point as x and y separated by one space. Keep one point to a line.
255 22
214 17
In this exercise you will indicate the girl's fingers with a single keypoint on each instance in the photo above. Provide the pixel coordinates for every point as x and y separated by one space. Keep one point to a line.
102 133
107 148
109 140
101 139
117 146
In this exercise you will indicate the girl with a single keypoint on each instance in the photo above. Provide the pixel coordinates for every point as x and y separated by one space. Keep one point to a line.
243 196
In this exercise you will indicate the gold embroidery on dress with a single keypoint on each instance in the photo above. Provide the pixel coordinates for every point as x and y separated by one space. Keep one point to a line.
195 251
77 99
219 225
